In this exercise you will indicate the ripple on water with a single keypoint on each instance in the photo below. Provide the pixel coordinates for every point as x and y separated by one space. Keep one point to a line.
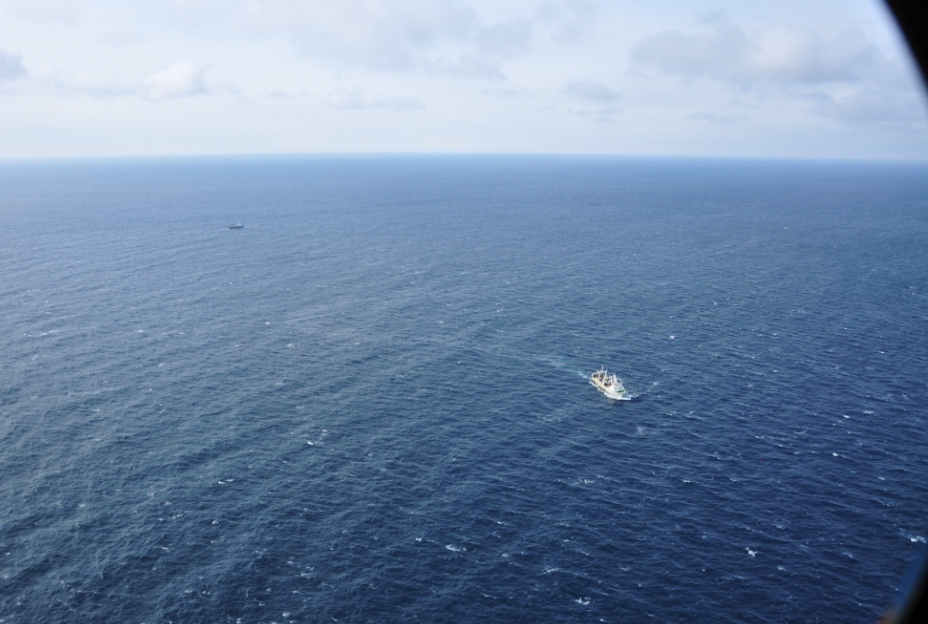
372 401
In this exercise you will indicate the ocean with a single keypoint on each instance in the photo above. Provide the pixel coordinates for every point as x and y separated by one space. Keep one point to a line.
371 403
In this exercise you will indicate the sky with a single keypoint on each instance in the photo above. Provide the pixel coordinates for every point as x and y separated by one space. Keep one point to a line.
796 79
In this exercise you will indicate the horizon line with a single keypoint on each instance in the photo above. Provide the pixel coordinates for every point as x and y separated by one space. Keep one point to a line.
4 160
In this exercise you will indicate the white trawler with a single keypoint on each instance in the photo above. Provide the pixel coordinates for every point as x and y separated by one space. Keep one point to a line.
610 385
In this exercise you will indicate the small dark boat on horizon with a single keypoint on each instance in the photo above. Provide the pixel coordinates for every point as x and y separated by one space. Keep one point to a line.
236 226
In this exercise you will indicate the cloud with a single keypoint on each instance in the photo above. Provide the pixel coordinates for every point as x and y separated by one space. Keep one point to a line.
97 86
467 66
357 97
280 94
716 53
43 11
567 20
503 39
717 119
845 78
603 115
589 90
869 106
181 79
777 53
11 66
435 36
120 39
507 92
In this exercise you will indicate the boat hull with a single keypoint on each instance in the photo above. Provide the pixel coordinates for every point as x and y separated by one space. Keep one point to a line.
606 390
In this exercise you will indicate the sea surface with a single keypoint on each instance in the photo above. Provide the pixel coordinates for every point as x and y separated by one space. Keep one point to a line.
370 404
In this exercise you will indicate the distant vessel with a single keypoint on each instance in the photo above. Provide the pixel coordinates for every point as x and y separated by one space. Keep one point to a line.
236 226
610 385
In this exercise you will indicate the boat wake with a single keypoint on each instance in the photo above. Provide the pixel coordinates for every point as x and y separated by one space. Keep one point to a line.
624 397
617 393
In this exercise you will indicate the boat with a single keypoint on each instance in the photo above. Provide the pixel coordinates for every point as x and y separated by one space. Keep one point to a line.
610 385
236 226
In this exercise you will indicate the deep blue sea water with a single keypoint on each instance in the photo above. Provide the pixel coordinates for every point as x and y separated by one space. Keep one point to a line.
370 404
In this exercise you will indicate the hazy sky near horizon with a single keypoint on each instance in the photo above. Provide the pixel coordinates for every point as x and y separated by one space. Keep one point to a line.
826 78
